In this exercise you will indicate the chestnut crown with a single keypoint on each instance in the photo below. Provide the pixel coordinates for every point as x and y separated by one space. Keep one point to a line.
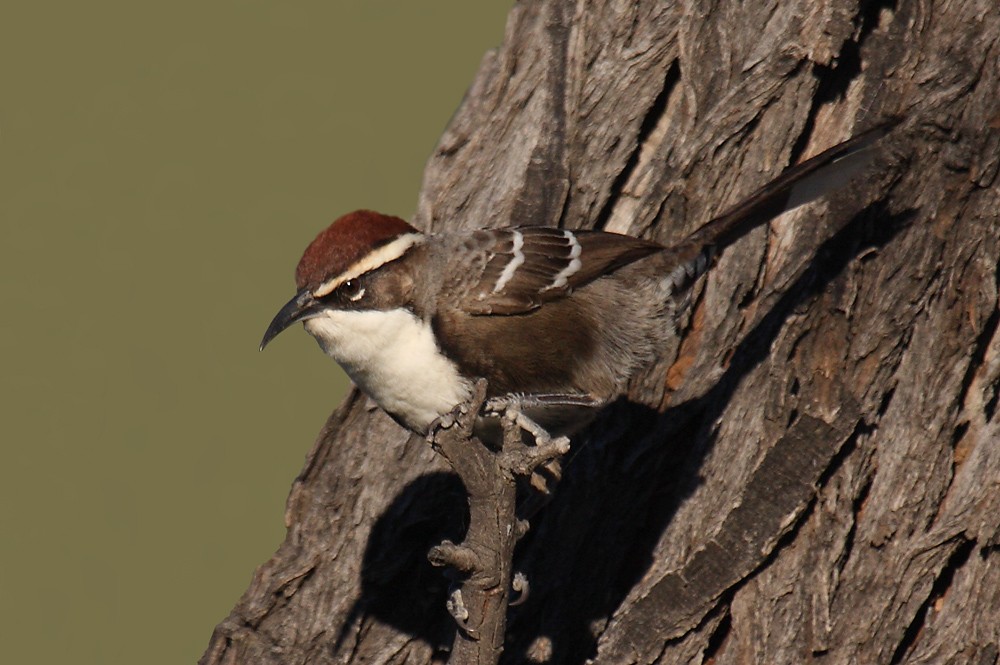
346 243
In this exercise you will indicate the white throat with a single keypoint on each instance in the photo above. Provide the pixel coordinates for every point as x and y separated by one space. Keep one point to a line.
392 356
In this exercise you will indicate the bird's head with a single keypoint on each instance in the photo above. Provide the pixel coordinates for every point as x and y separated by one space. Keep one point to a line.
336 268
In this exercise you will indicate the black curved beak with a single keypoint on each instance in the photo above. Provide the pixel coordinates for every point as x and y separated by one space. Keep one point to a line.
303 306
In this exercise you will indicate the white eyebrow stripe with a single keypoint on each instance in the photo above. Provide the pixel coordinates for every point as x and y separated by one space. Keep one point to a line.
574 265
513 264
374 259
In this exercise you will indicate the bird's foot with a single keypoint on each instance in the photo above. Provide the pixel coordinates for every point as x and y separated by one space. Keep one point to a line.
514 409
539 462
461 420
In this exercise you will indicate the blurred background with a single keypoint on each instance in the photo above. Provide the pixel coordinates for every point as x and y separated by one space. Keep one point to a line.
162 166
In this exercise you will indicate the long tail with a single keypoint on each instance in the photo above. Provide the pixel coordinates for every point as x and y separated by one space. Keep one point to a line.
826 172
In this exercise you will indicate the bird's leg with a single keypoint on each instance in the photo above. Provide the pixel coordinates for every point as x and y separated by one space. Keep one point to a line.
541 400
521 404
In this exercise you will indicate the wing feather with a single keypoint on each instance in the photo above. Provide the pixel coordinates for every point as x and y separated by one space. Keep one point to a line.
521 268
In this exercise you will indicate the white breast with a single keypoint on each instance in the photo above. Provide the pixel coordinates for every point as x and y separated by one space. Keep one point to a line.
392 356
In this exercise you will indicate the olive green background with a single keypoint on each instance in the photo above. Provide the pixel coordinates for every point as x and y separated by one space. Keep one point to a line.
162 166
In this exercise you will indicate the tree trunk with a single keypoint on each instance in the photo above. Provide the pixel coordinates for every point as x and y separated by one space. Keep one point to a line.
814 474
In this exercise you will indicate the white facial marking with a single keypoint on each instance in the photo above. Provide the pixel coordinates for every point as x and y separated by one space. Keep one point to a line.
392 356
388 252
574 264
513 264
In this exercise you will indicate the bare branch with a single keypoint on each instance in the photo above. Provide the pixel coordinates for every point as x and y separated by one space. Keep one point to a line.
485 557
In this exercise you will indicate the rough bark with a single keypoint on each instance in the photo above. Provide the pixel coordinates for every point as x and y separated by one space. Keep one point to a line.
814 474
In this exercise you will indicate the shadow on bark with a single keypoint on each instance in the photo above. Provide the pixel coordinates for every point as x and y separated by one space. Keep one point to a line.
399 586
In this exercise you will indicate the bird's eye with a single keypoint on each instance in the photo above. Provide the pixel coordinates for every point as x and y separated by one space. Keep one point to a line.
353 290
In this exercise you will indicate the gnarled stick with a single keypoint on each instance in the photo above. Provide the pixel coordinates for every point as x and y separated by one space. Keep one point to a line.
484 559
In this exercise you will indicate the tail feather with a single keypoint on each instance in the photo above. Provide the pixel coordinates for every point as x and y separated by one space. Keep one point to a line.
805 182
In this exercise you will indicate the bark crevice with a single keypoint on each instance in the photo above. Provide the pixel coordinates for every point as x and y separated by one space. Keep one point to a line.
962 550
651 121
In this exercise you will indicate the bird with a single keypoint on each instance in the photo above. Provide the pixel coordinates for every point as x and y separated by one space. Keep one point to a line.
557 321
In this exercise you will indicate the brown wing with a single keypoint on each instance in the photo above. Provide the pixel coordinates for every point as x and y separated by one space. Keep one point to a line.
518 269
